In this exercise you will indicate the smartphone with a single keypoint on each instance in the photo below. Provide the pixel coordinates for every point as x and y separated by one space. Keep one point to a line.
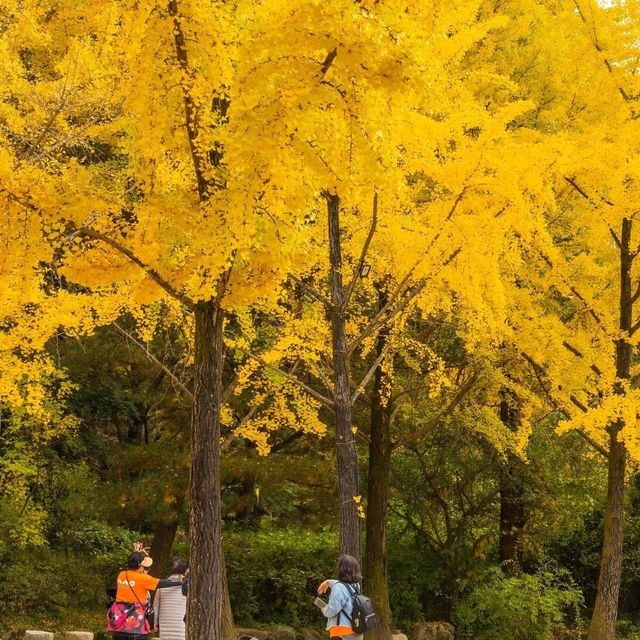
320 603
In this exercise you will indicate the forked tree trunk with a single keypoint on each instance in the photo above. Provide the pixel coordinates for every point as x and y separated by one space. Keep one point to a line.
207 583
605 612
376 584
346 451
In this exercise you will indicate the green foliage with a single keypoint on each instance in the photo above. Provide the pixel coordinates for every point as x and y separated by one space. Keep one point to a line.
528 606
273 575
40 581
416 578
627 629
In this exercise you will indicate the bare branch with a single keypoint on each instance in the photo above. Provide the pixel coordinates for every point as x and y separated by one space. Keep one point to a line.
181 385
578 404
312 291
424 430
388 313
328 61
363 254
636 295
317 370
592 443
370 373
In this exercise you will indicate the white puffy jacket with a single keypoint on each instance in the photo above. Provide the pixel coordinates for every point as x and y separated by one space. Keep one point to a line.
170 607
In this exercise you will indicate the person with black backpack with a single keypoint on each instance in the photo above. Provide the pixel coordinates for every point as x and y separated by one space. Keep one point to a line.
348 612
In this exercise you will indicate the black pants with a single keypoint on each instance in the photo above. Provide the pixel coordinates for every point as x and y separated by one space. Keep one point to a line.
129 636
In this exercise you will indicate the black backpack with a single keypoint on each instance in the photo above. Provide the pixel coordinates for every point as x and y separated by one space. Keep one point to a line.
362 617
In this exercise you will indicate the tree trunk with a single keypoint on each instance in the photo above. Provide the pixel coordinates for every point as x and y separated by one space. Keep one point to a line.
228 628
161 547
605 612
346 451
512 508
207 582
376 584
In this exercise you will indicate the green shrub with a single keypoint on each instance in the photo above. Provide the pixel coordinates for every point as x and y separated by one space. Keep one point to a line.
627 629
521 607
45 581
273 575
416 581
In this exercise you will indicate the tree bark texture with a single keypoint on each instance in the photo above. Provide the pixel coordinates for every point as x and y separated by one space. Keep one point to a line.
346 451
228 627
605 612
376 584
161 547
512 501
207 582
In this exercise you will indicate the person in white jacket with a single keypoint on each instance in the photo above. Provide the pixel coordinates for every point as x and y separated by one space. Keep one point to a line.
170 605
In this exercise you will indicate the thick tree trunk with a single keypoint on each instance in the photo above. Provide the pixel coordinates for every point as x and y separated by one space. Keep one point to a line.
376 584
512 518
207 583
161 547
512 507
346 451
605 612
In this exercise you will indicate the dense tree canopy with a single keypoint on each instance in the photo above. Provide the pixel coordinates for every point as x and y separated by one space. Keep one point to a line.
378 257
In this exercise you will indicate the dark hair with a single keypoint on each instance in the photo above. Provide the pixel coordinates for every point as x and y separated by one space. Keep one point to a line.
348 569
135 560
179 566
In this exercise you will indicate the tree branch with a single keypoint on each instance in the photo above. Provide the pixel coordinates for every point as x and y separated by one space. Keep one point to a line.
459 396
181 385
636 295
596 43
328 61
539 373
579 354
576 293
363 254
312 291
312 392
190 109
370 373
386 314
152 273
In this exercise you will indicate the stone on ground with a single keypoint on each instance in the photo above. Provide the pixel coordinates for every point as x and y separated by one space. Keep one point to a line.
311 634
38 635
78 635
398 636
282 632
243 633
433 631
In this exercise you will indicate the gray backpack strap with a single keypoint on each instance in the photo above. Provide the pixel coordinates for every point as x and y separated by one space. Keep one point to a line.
353 593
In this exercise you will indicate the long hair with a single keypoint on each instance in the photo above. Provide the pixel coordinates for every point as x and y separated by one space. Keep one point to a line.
348 569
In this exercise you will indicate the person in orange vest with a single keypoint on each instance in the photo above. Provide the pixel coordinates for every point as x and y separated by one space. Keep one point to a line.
128 616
